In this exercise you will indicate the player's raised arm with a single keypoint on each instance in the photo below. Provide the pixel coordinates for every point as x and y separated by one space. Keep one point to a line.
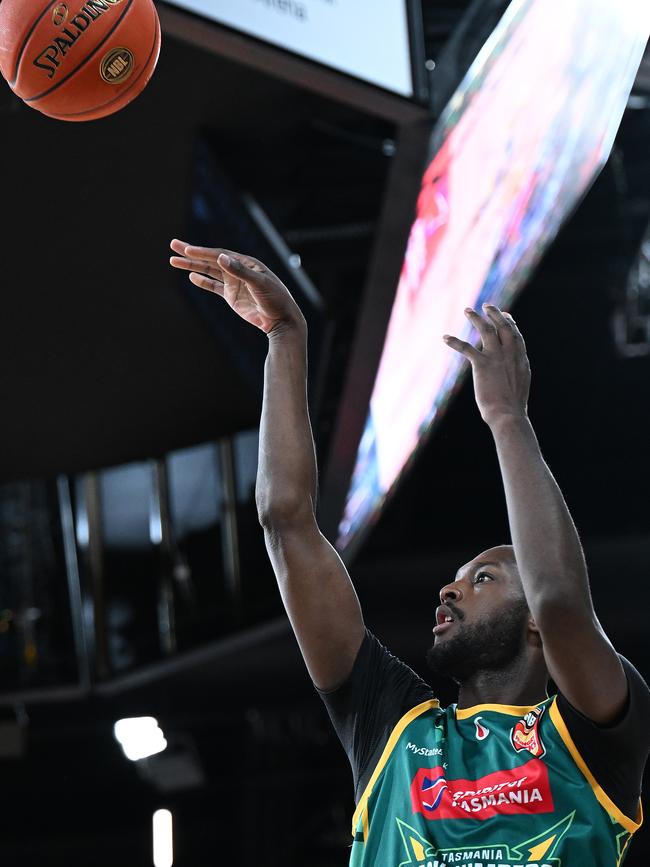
547 548
316 589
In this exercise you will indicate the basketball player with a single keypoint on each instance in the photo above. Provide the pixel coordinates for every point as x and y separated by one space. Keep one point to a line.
507 776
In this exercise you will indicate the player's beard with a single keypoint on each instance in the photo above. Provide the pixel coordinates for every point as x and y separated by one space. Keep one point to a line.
490 644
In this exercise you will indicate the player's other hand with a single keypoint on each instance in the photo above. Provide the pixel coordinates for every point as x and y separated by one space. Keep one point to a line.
500 367
253 292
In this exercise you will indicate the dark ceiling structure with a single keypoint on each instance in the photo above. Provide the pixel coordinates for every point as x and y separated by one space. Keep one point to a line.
108 359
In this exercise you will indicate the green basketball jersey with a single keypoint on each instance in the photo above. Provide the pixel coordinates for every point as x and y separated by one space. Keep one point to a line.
486 786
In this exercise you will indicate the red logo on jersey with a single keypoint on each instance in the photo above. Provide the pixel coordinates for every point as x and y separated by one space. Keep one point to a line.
525 789
525 734
481 731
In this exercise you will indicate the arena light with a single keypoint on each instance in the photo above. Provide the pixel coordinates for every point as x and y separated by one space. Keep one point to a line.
163 839
139 737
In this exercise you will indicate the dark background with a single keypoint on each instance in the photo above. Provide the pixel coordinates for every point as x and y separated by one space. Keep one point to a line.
106 360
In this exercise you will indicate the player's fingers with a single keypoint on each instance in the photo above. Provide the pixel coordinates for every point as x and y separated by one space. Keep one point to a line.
249 261
196 265
200 254
205 254
207 283
502 325
211 254
178 246
216 262
181 262
462 347
484 327
253 265
231 264
519 337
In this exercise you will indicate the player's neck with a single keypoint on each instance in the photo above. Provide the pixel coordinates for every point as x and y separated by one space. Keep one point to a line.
518 684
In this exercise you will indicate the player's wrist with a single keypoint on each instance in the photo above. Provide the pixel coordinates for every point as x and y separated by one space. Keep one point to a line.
507 420
291 328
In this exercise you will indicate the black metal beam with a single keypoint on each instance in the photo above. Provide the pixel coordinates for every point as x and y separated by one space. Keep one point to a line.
82 640
394 226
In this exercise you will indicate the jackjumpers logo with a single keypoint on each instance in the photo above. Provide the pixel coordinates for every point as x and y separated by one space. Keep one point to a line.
525 789
525 734
543 850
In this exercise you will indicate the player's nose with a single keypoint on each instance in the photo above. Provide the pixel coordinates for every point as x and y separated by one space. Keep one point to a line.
451 593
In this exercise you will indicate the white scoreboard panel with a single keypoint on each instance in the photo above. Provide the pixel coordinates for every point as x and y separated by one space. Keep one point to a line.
368 39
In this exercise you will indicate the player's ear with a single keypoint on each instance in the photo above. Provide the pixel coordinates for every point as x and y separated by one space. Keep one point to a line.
533 634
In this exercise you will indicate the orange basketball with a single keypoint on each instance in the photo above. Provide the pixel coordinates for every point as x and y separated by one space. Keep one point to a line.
78 60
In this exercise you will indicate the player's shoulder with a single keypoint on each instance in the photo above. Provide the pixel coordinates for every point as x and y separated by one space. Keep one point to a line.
635 679
379 655
396 681
637 705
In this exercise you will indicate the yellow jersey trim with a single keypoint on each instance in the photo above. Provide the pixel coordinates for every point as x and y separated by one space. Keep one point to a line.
604 799
361 811
622 855
509 709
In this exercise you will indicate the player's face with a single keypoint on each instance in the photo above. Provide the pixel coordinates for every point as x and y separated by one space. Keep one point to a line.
482 619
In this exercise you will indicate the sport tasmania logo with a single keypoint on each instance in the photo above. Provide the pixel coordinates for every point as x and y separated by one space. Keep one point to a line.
525 734
525 789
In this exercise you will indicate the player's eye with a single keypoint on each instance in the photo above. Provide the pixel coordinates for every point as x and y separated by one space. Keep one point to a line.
482 577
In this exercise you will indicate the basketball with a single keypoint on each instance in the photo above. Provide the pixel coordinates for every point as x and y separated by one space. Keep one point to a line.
78 62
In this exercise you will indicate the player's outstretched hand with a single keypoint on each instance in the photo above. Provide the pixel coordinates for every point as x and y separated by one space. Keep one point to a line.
253 292
500 367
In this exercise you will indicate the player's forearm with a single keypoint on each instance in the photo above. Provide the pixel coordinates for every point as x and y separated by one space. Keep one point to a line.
286 488
546 543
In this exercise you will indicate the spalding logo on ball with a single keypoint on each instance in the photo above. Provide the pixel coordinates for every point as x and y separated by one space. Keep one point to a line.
78 61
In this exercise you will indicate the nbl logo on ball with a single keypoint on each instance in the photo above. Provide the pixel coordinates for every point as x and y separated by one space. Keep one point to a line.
116 65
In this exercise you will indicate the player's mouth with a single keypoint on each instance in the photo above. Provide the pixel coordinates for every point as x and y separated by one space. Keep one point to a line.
445 619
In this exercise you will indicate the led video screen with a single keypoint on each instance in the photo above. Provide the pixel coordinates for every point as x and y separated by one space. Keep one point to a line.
518 145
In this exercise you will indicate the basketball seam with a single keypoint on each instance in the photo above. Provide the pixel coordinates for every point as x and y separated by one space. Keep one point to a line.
26 40
115 98
84 61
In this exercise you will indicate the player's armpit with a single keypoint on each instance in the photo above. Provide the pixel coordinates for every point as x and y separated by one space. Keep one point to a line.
582 662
